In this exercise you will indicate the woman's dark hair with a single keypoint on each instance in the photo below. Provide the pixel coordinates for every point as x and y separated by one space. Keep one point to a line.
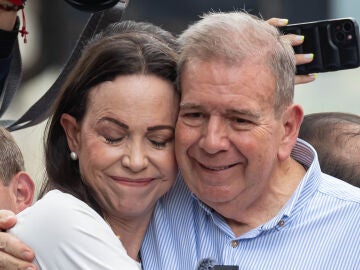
123 48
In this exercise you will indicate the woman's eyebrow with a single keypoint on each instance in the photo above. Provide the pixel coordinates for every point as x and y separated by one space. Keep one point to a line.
112 120
160 128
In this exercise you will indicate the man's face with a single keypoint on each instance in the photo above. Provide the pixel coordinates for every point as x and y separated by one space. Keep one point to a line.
227 137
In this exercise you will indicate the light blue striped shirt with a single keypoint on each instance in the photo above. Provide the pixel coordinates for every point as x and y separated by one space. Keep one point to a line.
318 228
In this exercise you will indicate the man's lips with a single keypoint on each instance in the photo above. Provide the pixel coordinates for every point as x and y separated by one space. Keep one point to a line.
217 168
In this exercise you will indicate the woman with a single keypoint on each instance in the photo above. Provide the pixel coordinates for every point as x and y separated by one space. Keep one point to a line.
108 152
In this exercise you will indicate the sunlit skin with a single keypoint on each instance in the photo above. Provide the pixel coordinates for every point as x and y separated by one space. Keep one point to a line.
233 152
18 194
7 198
125 145
7 18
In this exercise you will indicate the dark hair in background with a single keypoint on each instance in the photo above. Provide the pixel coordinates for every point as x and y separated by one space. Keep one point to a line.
123 48
336 138
94 5
11 158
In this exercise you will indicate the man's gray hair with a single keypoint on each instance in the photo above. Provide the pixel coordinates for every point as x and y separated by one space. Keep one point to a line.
236 36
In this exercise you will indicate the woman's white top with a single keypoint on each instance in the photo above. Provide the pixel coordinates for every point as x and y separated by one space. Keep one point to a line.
65 233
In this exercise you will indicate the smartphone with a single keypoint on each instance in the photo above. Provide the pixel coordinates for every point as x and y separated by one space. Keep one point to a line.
334 43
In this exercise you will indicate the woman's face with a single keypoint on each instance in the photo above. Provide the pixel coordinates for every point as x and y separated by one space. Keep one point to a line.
125 143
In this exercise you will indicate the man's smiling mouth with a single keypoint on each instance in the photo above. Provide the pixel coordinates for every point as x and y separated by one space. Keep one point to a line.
217 168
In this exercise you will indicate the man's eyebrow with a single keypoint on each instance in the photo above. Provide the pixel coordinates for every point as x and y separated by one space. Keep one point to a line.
190 106
252 114
112 120
161 128
249 113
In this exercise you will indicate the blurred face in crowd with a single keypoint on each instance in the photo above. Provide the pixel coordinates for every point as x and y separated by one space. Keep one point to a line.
125 143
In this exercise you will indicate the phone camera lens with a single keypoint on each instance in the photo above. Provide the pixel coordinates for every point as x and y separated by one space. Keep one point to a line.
347 26
337 27
340 36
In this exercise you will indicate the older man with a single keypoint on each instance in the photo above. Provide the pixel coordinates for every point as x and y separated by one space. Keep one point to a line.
255 196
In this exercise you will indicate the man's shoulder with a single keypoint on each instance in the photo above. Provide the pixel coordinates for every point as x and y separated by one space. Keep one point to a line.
179 191
338 189
178 202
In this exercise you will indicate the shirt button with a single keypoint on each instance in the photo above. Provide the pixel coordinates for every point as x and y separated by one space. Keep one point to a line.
281 223
234 243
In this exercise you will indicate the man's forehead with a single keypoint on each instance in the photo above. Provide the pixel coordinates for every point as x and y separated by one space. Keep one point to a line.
221 67
224 76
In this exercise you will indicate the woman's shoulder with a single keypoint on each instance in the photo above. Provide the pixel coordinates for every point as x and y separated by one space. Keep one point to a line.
57 206
56 213
76 235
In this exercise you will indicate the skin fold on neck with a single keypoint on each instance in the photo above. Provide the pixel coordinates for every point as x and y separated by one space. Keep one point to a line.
264 208
130 232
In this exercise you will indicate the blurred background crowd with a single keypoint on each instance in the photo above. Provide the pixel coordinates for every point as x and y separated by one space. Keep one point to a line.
54 28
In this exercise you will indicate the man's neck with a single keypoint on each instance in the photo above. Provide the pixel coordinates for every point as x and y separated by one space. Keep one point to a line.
250 210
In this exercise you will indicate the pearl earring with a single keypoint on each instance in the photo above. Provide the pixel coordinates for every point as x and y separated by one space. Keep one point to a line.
73 156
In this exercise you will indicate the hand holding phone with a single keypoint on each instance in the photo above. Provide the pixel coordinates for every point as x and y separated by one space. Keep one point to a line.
334 43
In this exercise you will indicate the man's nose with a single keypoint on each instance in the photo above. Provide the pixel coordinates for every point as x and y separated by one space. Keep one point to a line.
214 138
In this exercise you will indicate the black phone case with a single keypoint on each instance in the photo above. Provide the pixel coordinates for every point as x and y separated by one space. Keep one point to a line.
335 44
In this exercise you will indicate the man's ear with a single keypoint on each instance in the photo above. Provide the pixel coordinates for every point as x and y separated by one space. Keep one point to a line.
71 129
24 188
291 121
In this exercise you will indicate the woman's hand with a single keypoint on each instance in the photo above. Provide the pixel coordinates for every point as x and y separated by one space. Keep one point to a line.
14 254
300 58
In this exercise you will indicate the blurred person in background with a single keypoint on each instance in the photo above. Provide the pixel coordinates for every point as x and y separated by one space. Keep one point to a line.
16 186
336 138
9 29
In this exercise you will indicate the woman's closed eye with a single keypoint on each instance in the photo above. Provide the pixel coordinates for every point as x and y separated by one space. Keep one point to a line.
158 145
113 140
160 142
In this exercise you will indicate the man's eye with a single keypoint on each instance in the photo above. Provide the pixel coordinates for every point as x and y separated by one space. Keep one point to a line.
193 115
193 119
241 123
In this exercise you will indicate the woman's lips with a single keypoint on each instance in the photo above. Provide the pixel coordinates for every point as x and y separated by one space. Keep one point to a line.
133 182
